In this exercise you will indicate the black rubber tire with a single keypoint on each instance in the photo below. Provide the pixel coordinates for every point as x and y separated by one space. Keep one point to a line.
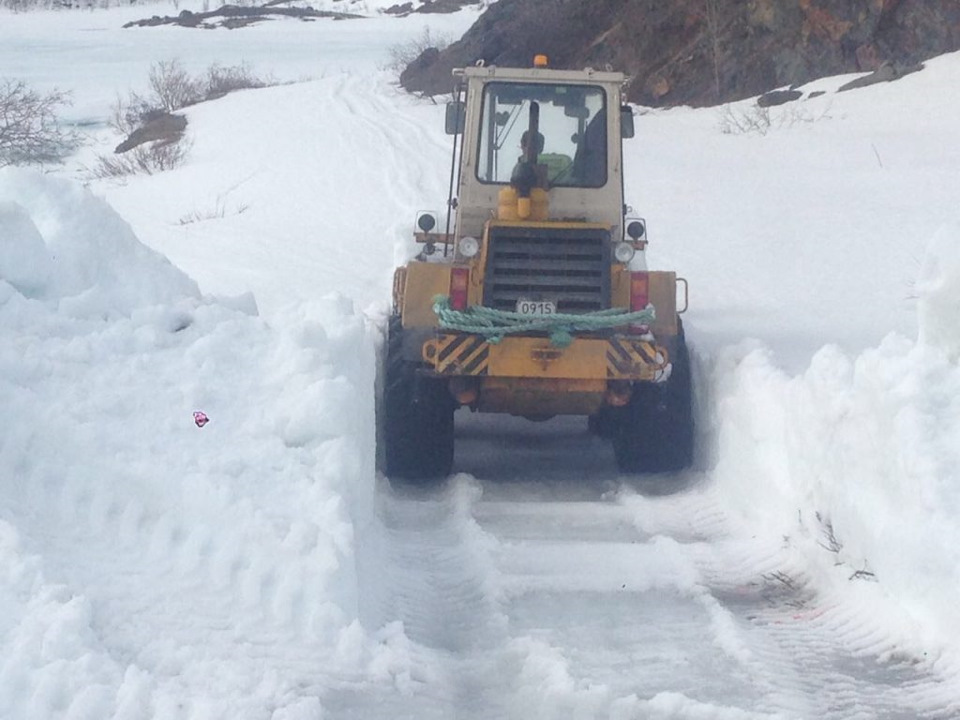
417 417
655 430
604 423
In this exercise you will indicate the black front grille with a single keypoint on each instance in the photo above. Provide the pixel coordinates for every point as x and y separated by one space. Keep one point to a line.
570 266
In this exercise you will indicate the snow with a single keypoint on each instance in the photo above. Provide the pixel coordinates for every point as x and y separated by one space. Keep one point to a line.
78 253
938 285
257 566
869 444
103 362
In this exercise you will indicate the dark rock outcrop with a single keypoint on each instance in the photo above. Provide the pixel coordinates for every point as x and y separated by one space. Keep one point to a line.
888 72
778 97
234 16
701 52
429 7
159 126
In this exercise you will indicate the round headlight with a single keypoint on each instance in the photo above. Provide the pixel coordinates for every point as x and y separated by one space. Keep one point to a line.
426 222
636 229
468 246
624 252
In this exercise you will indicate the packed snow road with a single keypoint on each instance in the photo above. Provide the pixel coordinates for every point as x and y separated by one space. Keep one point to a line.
545 586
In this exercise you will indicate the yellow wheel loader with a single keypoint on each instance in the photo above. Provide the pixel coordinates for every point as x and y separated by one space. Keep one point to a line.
534 299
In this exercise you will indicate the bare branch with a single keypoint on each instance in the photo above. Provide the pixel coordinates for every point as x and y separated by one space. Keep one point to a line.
30 133
144 159
172 86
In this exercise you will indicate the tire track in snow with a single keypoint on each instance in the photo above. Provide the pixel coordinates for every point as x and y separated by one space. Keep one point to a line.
620 608
414 166
587 598
362 163
433 575
822 650
428 567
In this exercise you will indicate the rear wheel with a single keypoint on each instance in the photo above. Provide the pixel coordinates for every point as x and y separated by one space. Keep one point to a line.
604 422
417 417
654 431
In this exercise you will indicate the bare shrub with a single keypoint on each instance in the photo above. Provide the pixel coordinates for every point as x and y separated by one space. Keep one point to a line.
218 211
172 86
144 159
30 132
127 115
171 89
757 120
222 80
402 54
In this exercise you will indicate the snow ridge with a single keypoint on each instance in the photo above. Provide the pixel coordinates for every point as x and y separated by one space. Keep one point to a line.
120 516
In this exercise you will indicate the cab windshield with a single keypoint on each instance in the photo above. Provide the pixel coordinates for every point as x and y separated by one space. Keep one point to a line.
559 129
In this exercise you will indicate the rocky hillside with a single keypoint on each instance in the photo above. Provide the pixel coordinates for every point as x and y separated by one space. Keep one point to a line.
701 52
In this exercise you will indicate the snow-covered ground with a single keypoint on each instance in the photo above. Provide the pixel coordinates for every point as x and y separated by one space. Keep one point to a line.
255 566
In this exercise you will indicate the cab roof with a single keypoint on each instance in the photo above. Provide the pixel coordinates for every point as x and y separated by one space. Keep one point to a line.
537 74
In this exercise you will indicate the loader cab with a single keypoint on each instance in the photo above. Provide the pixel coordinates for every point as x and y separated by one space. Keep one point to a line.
577 118
568 123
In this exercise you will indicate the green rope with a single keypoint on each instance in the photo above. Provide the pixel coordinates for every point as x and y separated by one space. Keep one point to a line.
495 324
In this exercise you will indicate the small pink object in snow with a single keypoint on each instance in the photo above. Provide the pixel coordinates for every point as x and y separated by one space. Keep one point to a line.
200 418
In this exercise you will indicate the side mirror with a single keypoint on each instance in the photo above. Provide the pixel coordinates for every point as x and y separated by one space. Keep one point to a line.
456 118
626 122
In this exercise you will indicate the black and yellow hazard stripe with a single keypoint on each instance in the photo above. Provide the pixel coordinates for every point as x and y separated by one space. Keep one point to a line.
629 358
467 354
460 354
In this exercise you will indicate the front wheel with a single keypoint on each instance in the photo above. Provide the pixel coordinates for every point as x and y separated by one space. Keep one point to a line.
417 417
654 432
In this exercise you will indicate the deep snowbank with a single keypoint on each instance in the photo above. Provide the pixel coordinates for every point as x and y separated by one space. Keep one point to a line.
119 515
857 460
62 245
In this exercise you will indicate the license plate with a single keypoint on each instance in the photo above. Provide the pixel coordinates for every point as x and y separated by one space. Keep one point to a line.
536 307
